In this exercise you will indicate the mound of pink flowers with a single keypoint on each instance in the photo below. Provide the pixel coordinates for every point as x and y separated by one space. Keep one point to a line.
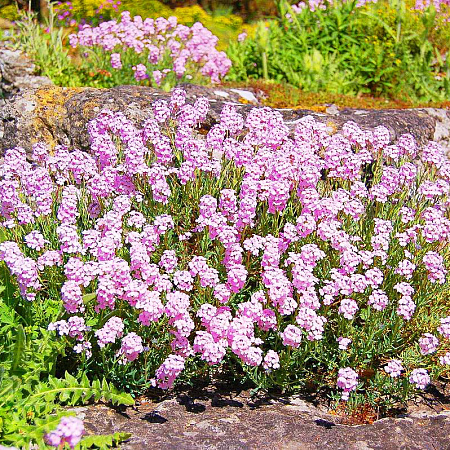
304 256
155 48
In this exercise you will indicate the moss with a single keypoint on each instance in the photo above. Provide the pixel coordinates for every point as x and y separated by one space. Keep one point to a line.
279 95
50 109
50 102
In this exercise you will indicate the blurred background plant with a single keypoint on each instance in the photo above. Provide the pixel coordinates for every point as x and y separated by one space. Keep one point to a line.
395 49
45 44
385 48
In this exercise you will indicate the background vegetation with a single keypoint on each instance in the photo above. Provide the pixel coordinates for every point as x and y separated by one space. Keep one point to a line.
387 49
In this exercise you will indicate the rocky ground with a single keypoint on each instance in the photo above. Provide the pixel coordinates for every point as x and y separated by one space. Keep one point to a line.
17 72
216 421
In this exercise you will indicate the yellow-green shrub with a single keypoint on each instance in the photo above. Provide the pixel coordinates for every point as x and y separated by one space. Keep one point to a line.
9 12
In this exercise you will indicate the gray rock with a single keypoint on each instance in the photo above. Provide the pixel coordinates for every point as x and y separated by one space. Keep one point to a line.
17 73
246 95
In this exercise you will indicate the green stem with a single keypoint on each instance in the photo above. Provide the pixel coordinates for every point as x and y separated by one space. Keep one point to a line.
264 64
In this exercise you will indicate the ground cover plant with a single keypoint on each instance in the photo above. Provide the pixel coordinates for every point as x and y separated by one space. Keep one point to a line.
392 49
312 260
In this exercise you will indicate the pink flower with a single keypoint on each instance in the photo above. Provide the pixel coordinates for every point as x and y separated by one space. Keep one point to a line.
343 342
394 368
35 240
292 336
131 348
116 63
445 359
172 366
444 328
428 344
140 72
242 36
348 308
271 361
347 381
70 430
420 378
158 76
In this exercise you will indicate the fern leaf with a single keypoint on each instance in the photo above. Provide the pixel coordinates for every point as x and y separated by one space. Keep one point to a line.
70 379
76 397
69 390
104 441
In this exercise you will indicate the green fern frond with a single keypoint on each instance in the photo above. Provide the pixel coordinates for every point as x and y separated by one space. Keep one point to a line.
72 391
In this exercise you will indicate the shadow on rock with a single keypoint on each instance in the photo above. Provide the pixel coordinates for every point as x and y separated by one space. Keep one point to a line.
190 405
154 417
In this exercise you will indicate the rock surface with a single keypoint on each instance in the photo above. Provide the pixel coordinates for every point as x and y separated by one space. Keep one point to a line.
215 422
17 73
60 115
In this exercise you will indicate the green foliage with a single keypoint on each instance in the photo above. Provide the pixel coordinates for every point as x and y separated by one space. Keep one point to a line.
103 441
44 44
31 396
382 49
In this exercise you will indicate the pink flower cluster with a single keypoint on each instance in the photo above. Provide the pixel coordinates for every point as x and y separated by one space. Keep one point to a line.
70 430
420 378
313 5
394 368
112 330
161 45
347 381
249 242
428 344
422 5
130 348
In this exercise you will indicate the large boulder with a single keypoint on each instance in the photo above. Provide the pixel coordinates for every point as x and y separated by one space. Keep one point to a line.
60 115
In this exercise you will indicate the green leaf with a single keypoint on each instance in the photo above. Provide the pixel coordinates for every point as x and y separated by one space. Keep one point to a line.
19 348
104 441
88 297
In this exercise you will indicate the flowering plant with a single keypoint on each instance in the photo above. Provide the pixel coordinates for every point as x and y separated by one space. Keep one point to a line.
351 47
295 258
133 50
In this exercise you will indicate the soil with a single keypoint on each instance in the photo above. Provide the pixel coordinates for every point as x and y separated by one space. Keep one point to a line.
282 95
